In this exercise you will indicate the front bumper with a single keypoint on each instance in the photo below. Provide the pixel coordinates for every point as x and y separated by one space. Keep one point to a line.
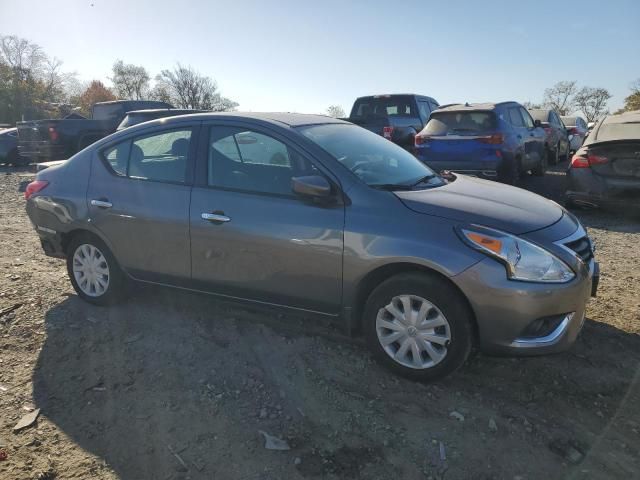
505 309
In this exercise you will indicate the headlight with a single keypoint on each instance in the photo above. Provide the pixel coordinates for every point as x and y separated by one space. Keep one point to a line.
522 259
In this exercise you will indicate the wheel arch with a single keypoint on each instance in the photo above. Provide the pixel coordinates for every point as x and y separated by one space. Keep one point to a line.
375 277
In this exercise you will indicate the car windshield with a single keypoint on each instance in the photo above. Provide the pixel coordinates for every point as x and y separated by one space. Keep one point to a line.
460 123
373 159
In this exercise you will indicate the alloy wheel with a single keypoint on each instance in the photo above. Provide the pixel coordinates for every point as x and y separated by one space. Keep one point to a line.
90 270
413 332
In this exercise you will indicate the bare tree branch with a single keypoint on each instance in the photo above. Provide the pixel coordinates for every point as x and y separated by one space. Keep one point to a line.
560 97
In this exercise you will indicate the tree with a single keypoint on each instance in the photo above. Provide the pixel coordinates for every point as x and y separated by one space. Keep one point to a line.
130 82
531 105
94 93
335 111
632 102
592 102
31 84
184 87
560 97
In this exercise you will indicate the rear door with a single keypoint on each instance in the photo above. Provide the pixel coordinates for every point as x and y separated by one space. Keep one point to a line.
139 194
251 237
534 139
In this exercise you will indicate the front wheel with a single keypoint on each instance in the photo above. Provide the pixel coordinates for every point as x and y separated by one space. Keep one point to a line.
419 326
93 271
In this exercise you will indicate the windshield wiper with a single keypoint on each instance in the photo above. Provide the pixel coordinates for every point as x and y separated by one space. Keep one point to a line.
391 186
424 179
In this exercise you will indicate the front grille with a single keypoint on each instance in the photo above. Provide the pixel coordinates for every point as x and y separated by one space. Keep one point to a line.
582 247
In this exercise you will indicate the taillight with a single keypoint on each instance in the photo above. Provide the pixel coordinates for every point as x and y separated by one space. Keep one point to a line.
573 131
387 132
495 139
34 187
421 139
597 160
581 161
53 134
547 130
578 161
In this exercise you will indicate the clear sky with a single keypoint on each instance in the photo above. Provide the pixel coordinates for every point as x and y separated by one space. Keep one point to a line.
305 55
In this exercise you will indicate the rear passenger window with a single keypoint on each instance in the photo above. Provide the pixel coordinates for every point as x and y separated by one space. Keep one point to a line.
425 112
528 121
515 118
161 157
252 161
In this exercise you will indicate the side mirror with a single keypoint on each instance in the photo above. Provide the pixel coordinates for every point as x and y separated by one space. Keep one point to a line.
537 123
314 186
590 125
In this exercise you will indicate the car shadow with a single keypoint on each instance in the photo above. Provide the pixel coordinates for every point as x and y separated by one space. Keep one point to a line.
177 385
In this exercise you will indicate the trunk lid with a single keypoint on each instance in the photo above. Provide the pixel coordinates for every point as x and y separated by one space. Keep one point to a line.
623 158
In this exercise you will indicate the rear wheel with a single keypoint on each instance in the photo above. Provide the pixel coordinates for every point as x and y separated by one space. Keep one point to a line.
541 168
553 156
511 172
93 270
418 326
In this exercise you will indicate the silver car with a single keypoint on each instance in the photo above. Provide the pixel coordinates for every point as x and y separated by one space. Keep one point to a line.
318 215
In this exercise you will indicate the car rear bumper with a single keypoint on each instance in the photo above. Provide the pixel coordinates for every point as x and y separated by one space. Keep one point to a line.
506 310
587 188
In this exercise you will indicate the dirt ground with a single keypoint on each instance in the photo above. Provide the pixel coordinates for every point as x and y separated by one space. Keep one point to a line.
175 385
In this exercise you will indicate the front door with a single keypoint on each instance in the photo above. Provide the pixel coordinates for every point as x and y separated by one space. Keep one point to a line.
251 237
138 199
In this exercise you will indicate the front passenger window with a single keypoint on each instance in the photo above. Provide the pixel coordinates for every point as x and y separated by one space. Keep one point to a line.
254 162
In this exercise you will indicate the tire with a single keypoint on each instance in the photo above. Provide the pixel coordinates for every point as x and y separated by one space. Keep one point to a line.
511 172
17 160
86 245
541 169
439 300
567 153
553 156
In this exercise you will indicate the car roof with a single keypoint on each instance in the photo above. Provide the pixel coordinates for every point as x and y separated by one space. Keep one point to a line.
281 119
151 111
470 107
626 117
393 95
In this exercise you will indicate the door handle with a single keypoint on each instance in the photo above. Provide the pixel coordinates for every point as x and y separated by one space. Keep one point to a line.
101 203
215 217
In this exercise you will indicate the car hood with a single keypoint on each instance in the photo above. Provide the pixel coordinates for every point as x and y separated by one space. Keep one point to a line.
483 202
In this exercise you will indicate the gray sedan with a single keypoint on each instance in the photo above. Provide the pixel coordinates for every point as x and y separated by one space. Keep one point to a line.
318 215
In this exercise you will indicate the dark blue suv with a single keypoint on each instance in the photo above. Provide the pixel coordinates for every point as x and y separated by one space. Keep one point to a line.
491 140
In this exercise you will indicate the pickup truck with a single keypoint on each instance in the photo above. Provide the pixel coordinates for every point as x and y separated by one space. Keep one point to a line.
44 140
397 117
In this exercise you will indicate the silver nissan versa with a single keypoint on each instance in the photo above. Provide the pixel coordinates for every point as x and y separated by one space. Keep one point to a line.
318 215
